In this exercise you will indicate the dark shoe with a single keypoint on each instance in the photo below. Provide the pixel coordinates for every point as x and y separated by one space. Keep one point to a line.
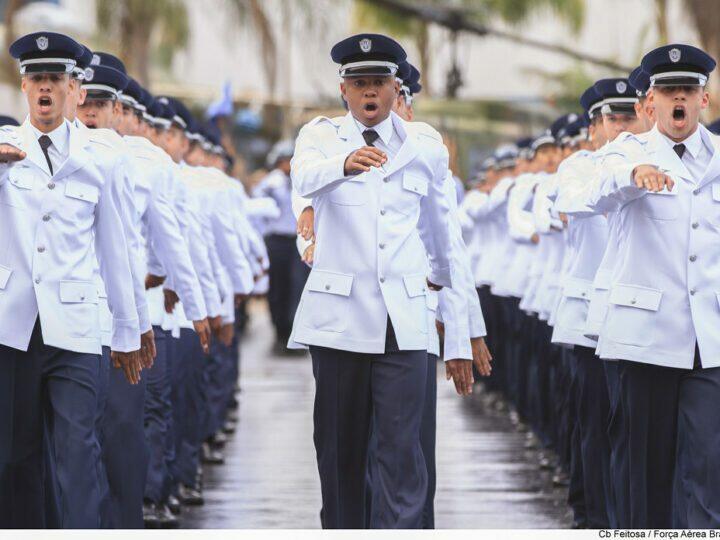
545 462
167 520
560 479
190 496
151 518
173 504
212 456
531 441
219 439
230 427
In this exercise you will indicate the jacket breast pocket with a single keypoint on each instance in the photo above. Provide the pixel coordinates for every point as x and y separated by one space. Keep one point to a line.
662 206
326 304
414 187
632 314
79 308
352 192
81 198
18 187
419 300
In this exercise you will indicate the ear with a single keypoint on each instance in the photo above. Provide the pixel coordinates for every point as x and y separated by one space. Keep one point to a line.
705 100
83 96
650 97
23 84
342 88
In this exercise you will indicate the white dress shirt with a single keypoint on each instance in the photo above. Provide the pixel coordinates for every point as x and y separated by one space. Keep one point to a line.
58 150
698 153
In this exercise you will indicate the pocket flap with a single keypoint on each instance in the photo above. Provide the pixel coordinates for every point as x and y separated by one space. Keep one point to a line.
21 177
635 296
415 183
330 282
78 292
577 288
83 192
716 191
415 284
4 276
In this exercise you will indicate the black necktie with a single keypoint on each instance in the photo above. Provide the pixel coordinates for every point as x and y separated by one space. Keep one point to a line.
45 143
679 150
370 136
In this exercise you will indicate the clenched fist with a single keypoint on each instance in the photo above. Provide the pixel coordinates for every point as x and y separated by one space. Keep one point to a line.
9 153
361 160
652 179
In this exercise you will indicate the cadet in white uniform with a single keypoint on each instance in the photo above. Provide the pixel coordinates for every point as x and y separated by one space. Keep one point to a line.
287 273
60 197
661 324
364 309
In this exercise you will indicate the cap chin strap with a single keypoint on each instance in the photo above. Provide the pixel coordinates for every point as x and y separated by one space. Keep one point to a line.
658 77
594 107
162 122
69 63
390 66
179 121
101 88
128 100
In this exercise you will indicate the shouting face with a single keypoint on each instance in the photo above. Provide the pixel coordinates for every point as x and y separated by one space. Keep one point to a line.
370 98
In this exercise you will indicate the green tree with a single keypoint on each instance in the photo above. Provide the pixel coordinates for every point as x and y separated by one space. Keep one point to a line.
368 15
257 16
141 26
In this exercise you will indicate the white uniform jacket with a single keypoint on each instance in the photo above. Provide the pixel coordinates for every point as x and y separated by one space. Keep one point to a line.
587 237
159 224
521 225
459 307
370 261
47 228
665 290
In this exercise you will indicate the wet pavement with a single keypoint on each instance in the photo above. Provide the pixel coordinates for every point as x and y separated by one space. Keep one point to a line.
486 478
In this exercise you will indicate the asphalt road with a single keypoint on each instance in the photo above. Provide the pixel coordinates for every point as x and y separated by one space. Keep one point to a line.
486 477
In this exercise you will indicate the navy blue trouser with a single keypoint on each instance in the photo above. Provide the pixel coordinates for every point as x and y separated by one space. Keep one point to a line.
55 391
287 279
672 424
219 373
576 489
124 450
593 417
354 392
157 420
189 406
428 429
617 436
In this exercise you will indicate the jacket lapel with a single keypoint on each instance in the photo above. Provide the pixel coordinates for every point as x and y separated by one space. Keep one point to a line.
31 147
665 157
78 155
713 170
350 134
408 150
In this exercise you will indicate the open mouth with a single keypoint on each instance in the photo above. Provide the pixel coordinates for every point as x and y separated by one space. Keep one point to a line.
45 103
370 107
678 113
